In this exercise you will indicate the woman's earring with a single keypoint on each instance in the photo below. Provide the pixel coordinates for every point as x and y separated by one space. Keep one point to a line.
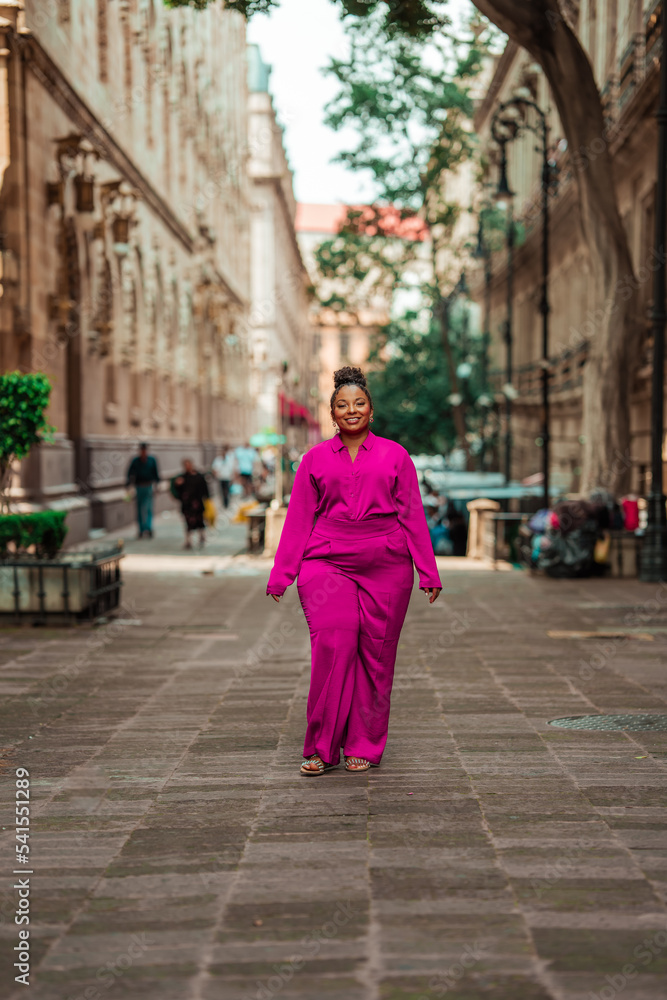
372 419
336 426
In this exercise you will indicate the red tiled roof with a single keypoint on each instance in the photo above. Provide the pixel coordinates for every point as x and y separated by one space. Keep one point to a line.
319 218
329 219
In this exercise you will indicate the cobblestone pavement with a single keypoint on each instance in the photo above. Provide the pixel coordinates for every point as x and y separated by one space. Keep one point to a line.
178 855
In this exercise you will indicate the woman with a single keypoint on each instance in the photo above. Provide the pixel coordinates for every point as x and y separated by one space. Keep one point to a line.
191 489
355 567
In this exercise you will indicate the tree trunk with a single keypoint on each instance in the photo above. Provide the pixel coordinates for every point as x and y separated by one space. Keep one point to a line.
541 29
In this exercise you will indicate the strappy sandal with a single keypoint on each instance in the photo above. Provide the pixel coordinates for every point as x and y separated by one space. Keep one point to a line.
363 764
321 766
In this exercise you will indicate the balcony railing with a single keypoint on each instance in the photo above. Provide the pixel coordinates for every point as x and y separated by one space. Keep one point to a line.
653 32
566 372
630 68
641 53
609 96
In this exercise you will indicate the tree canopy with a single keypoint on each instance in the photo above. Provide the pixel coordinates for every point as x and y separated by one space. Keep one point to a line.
411 389
415 17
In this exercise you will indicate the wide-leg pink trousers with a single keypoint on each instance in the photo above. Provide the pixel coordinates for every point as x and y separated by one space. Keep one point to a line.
354 584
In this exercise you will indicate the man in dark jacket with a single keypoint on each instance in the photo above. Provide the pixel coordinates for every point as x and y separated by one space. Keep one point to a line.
143 475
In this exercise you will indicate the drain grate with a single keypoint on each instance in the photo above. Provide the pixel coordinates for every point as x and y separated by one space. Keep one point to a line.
632 722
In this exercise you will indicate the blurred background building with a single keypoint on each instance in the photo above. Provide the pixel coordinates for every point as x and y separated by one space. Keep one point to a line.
278 325
149 262
622 41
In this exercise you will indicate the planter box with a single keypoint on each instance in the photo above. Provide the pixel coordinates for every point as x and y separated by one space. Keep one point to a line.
76 584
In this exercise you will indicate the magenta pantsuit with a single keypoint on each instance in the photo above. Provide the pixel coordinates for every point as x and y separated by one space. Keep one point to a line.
352 533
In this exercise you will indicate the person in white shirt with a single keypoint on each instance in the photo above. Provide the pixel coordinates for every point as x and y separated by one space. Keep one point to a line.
224 469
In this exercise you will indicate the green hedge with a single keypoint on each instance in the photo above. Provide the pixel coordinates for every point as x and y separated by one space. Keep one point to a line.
45 529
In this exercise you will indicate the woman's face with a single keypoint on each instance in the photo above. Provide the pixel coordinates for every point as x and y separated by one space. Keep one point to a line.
352 409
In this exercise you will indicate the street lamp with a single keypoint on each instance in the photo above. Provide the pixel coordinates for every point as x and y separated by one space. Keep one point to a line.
508 122
654 551
456 399
483 252
503 131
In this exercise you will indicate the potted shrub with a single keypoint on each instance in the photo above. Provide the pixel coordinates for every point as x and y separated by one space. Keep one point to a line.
36 580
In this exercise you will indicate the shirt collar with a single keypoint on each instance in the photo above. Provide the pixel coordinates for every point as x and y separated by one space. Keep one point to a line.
337 443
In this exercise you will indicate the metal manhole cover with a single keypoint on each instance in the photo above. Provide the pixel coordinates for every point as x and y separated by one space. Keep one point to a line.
633 722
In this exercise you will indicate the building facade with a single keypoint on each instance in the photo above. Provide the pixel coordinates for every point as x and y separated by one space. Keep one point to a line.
623 42
278 331
126 238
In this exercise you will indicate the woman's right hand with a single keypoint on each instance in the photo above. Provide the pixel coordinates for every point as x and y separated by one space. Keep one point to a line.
275 598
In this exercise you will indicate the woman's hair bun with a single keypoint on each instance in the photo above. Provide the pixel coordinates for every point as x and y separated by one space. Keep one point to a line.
349 376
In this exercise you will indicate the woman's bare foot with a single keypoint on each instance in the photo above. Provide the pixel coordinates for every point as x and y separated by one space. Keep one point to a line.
357 764
314 765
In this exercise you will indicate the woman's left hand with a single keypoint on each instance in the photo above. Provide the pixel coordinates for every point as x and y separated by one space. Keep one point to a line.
433 593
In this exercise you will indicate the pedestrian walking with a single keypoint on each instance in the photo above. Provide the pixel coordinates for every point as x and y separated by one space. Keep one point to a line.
224 468
246 456
355 524
191 489
143 474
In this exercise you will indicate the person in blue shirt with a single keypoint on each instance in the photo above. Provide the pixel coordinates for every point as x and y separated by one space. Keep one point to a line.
143 475
246 456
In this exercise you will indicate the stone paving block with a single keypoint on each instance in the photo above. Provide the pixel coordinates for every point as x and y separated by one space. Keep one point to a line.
295 920
569 893
468 987
168 981
603 951
301 986
579 986
149 766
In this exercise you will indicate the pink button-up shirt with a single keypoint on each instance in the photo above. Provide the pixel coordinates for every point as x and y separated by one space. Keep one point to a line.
381 480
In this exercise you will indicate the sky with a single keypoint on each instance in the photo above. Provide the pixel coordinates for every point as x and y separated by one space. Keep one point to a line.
297 40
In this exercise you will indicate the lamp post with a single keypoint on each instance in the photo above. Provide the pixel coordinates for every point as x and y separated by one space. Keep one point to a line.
483 252
503 131
456 399
510 119
654 551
